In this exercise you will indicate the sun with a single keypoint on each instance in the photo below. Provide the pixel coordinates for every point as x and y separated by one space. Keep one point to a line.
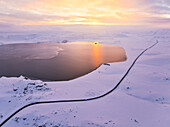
67 23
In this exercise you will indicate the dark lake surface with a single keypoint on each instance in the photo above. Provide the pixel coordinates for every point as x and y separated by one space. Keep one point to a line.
56 61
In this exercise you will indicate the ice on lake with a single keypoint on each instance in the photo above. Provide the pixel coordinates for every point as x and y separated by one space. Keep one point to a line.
56 61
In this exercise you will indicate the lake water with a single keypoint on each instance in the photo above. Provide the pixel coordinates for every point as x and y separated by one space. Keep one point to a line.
56 61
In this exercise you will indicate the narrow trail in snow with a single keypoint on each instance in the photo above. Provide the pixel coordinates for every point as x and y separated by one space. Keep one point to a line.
80 100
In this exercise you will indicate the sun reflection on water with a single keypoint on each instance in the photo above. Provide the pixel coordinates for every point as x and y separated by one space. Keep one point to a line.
96 54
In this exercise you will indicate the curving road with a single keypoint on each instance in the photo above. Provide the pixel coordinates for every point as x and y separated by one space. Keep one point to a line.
80 100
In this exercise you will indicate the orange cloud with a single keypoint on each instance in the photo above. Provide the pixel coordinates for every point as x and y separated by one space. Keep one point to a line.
81 11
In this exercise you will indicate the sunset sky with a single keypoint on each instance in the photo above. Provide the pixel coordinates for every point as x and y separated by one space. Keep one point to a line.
105 12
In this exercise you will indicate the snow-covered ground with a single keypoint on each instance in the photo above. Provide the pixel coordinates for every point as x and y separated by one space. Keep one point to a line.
141 100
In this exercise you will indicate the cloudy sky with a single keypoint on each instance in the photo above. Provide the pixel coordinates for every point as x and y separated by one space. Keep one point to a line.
118 12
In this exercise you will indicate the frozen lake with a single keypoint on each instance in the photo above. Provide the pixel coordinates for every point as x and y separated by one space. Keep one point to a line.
56 61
